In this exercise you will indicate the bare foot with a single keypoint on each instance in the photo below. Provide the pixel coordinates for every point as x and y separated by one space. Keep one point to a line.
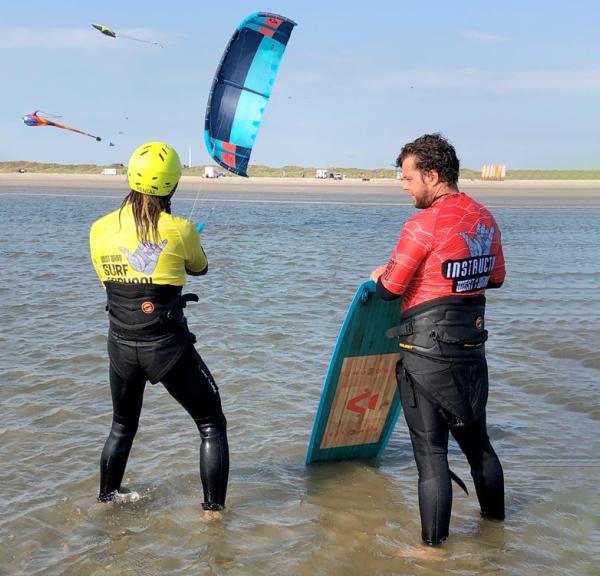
212 515
120 497
126 497
423 553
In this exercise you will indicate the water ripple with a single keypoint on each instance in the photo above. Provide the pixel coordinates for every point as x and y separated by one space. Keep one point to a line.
280 279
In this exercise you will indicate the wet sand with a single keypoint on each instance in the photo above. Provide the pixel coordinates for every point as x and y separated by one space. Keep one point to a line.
284 187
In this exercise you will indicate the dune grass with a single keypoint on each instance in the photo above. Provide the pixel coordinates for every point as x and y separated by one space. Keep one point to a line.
553 175
48 168
258 171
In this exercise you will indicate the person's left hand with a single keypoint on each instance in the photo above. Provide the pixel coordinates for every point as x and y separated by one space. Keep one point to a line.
377 273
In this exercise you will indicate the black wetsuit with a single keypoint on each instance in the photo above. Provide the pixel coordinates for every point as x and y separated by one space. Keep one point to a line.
443 380
149 340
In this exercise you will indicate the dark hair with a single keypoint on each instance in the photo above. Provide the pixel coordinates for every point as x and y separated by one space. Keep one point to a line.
146 212
432 152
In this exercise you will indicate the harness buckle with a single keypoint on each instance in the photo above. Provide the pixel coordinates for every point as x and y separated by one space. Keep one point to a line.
404 329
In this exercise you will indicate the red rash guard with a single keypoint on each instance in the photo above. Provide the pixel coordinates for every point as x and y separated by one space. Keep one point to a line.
451 248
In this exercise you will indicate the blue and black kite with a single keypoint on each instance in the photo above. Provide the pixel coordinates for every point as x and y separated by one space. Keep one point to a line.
242 87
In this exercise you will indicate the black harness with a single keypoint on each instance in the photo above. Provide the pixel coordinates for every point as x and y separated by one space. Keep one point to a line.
145 311
148 330
452 326
442 345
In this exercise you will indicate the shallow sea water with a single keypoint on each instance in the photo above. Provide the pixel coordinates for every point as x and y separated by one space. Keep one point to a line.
281 278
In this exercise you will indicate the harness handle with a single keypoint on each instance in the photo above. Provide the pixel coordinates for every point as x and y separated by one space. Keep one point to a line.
185 298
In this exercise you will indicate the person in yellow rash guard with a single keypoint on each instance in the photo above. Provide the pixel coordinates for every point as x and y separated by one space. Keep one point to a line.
119 255
142 254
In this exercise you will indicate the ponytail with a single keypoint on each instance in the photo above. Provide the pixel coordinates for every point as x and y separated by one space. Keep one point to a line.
146 213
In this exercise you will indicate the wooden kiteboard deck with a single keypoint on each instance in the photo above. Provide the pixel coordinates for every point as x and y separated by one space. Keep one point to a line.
360 402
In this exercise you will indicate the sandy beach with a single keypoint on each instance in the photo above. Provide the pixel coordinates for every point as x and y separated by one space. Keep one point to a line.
556 189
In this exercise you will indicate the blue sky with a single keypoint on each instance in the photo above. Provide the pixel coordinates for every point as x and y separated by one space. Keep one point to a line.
514 82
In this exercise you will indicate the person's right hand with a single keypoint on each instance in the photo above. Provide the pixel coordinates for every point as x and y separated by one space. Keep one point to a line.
377 273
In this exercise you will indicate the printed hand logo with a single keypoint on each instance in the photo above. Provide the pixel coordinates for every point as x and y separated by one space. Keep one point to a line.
145 257
481 243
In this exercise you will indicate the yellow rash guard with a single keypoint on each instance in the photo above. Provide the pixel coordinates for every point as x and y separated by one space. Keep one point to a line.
119 256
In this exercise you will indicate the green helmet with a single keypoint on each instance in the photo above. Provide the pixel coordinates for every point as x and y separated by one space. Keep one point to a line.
154 169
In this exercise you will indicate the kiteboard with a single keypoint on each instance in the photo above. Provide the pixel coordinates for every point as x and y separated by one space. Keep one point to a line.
360 402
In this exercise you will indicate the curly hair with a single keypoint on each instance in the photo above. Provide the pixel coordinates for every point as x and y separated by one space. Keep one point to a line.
432 152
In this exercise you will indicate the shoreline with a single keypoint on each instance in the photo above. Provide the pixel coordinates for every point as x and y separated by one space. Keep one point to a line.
563 189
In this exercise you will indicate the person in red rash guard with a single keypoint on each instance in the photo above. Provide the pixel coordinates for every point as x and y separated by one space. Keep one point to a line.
447 255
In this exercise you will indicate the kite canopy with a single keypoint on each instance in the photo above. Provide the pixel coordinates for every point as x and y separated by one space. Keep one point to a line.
105 30
242 87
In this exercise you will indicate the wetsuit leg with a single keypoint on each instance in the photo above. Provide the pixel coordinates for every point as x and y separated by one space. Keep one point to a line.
127 397
192 385
429 436
486 469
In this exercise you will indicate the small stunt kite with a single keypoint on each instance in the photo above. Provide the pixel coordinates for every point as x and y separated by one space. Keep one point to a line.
34 119
112 34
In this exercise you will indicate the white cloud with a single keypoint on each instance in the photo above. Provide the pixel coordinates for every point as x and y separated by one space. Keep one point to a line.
484 37
528 81
23 37
422 81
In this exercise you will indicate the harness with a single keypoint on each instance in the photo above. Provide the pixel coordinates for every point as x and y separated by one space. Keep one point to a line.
144 312
449 326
